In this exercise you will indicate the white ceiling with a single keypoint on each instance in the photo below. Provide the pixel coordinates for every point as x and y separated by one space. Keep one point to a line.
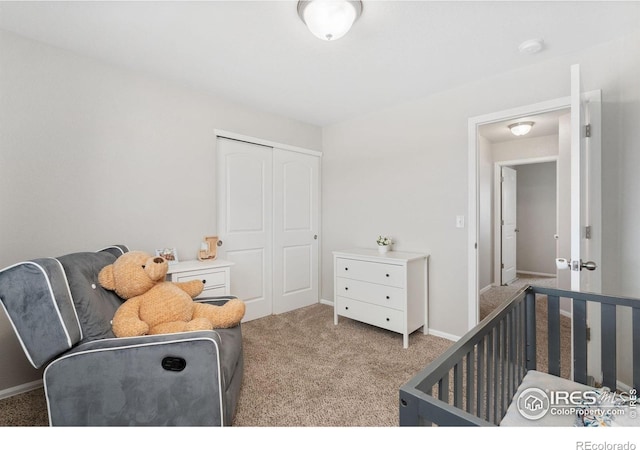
260 54
545 124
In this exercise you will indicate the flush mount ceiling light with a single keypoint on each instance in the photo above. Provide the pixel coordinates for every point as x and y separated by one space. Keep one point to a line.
329 19
520 128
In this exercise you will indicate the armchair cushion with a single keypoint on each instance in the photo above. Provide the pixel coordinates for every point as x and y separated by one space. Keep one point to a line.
95 305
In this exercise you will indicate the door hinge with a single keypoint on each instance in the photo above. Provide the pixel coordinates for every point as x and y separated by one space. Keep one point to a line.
502 266
588 333
587 232
502 222
587 130
502 179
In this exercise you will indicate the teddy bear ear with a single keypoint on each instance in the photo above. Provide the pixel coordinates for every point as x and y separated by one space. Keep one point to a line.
106 278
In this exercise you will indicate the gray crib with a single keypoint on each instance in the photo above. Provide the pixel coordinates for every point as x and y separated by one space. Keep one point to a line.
475 381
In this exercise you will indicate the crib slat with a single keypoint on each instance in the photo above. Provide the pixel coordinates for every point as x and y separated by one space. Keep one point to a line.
608 340
530 329
512 354
580 341
504 384
497 356
457 385
553 321
480 379
636 347
490 373
469 393
443 389
523 341
520 341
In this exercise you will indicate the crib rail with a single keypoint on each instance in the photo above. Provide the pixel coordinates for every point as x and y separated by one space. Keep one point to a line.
474 381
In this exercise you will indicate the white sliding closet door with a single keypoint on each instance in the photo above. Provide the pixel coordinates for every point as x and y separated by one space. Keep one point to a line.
268 222
245 221
296 187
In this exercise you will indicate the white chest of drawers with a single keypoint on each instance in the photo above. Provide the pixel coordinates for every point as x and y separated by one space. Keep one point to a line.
387 290
216 275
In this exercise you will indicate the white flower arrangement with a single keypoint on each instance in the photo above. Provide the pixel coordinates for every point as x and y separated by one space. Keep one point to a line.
383 240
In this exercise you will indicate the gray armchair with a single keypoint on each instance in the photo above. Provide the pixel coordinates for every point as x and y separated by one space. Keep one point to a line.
62 317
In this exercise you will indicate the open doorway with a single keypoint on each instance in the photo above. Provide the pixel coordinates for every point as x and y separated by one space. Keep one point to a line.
519 216
535 157
536 221
493 148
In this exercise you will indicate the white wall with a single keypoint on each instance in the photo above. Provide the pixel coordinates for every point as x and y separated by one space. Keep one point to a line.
402 171
527 148
536 218
93 155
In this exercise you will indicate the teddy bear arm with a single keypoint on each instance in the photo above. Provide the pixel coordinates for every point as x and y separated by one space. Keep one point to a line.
126 321
193 287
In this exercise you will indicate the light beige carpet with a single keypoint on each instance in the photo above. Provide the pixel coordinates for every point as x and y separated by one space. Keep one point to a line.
302 370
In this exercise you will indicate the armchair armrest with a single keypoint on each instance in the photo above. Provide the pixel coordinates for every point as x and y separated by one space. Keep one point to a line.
170 379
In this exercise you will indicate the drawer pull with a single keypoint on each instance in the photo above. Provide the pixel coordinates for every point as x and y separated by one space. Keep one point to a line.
346 288
204 281
387 319
387 297
387 275
346 268
346 307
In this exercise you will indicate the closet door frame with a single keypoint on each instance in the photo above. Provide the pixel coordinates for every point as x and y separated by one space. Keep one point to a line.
274 146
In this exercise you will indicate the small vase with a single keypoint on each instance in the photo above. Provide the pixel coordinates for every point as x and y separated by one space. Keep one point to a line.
383 248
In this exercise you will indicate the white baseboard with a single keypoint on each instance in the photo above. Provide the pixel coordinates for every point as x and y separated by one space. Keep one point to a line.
485 289
326 302
441 334
20 389
537 274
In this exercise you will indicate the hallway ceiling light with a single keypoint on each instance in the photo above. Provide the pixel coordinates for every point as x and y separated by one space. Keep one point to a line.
520 128
329 19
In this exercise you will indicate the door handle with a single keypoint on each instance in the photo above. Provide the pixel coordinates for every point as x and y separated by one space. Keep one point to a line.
589 265
219 243
562 263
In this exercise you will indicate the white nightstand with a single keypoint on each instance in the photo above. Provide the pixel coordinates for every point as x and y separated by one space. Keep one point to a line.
386 290
216 275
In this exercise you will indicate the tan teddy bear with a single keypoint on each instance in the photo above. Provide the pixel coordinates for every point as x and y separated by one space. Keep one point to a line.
156 306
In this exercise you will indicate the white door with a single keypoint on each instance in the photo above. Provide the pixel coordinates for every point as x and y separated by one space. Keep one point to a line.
296 225
245 221
586 201
586 207
508 225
